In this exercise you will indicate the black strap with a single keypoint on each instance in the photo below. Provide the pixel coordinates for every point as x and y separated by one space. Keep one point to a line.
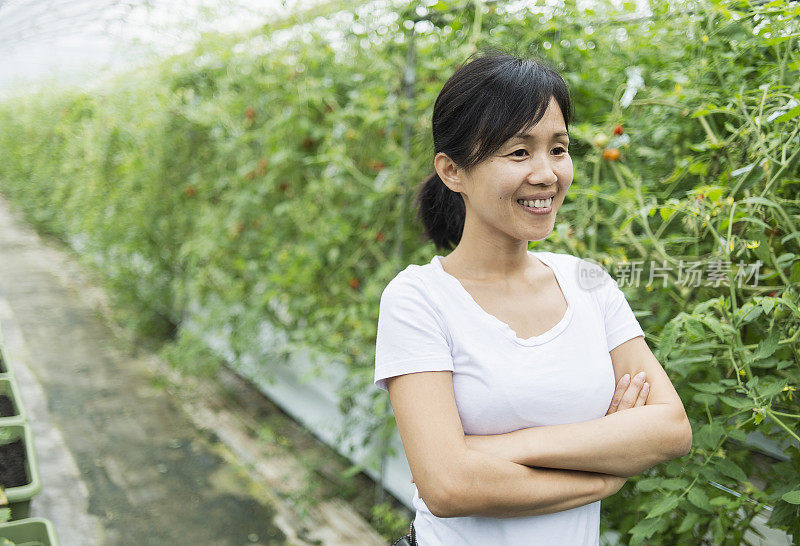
409 539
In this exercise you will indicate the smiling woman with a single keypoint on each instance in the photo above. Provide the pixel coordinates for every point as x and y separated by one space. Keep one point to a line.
504 370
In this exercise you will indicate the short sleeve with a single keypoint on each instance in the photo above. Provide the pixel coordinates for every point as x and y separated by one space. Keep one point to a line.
411 334
620 322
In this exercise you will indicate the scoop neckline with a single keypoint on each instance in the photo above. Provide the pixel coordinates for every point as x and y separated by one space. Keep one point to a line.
550 334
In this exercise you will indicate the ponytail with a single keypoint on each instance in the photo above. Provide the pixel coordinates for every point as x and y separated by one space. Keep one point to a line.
441 211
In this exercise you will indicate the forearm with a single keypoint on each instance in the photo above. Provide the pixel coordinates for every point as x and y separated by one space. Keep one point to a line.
624 443
494 487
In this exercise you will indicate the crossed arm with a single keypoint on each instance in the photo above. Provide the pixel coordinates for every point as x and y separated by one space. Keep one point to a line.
545 469
622 443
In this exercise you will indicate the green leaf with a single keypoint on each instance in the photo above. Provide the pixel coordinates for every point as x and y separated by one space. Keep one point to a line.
737 434
694 327
767 346
699 498
645 528
648 484
770 389
737 402
669 335
749 312
703 398
783 513
789 237
688 522
674 484
722 330
792 497
756 200
730 469
663 506
786 116
708 436
712 388
719 530
720 500
666 212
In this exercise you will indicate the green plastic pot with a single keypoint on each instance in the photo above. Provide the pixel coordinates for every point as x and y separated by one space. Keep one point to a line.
8 387
19 498
29 532
4 369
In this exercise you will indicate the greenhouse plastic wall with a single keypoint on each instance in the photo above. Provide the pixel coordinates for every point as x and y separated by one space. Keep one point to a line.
309 398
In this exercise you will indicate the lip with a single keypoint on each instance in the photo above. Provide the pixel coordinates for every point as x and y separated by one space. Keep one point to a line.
529 210
535 197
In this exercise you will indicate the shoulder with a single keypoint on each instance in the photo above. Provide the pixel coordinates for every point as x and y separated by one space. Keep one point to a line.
559 257
408 300
571 264
584 273
566 258
415 282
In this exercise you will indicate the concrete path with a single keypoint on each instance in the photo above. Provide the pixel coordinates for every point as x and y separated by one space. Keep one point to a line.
124 460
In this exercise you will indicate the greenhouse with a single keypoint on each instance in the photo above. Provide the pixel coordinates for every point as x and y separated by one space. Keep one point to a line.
434 272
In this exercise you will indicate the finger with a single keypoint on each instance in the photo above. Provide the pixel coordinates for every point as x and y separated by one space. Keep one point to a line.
643 395
621 387
630 396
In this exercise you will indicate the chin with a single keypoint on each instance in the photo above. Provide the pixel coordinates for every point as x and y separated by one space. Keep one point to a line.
539 238
541 235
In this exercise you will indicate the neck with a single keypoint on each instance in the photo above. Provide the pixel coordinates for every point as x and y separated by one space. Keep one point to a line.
488 262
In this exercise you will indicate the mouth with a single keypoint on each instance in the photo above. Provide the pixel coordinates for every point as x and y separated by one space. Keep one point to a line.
537 206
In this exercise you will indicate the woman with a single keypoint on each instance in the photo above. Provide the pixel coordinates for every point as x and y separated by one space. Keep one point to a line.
501 363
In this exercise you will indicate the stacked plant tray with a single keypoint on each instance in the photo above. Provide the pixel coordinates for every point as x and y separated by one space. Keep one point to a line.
19 470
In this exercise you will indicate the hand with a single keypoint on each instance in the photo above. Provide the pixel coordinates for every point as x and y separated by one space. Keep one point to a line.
629 394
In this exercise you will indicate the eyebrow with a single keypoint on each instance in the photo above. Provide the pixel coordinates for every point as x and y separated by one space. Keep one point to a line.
523 136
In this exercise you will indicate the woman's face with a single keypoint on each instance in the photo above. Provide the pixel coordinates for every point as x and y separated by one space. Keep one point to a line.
533 165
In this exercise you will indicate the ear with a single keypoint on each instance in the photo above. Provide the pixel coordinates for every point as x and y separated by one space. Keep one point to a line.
450 173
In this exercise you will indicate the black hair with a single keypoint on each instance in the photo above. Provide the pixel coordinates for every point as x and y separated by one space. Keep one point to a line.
486 101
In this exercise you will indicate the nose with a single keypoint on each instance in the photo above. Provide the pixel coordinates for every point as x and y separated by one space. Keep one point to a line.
542 172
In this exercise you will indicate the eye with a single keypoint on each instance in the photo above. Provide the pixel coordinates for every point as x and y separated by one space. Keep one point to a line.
561 151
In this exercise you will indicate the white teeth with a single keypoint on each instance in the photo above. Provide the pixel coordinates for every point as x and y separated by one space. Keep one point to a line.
537 203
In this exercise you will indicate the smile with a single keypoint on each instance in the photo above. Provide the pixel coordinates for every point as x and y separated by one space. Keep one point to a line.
539 206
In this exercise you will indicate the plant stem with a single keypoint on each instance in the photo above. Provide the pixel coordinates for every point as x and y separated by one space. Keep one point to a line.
781 423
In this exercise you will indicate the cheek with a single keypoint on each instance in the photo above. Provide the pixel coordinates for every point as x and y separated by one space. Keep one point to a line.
566 175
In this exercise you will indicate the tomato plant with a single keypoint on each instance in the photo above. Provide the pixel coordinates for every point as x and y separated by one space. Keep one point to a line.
251 179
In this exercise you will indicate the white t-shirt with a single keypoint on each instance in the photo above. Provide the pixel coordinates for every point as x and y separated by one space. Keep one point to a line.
429 322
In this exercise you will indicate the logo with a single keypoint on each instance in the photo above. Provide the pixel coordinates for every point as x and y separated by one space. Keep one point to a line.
590 274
